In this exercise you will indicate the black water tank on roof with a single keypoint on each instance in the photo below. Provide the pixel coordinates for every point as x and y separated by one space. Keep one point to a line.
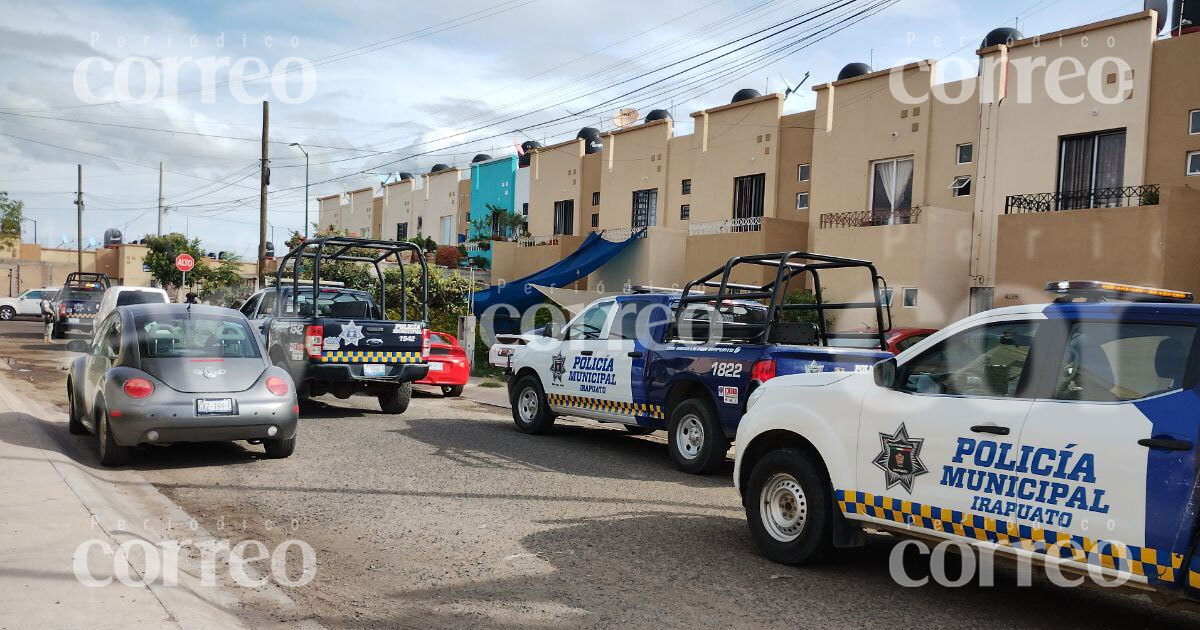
591 140
439 167
658 114
1004 35
745 94
480 157
526 147
1160 7
404 177
112 236
852 70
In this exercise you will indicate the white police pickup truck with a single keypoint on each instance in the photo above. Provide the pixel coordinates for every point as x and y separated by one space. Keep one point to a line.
1067 431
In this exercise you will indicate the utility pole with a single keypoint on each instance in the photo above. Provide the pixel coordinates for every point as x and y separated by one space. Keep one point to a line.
264 176
79 220
160 199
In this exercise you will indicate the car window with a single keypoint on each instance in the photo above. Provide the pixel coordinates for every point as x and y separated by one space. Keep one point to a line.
251 305
32 295
590 325
267 306
84 294
1113 362
107 342
125 298
908 342
987 360
436 338
333 303
195 336
635 317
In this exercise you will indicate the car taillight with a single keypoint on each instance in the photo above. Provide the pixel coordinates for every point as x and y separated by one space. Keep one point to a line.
62 309
763 370
425 343
277 386
314 337
138 388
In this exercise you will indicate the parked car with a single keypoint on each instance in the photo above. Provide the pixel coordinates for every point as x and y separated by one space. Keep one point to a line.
449 366
164 373
28 304
76 303
337 340
898 339
687 361
124 296
507 344
1065 430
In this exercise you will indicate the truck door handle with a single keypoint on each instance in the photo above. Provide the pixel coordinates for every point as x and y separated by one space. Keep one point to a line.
635 354
1169 444
586 353
990 428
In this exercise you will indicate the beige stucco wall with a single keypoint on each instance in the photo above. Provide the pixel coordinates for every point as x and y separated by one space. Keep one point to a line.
511 261
358 216
1020 129
709 251
1149 245
680 160
397 208
732 141
1174 92
589 183
633 159
654 260
951 124
463 223
795 148
439 198
329 212
554 175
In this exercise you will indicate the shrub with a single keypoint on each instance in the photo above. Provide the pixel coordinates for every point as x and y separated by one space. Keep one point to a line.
447 256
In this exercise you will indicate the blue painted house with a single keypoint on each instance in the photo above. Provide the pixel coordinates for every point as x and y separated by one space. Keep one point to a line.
492 187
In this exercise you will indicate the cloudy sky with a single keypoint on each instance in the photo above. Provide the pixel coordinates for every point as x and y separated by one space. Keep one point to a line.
396 87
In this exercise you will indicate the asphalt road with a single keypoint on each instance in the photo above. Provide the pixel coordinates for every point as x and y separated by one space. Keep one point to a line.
445 516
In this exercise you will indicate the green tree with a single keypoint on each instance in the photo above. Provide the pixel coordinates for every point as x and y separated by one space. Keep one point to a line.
219 282
11 215
160 257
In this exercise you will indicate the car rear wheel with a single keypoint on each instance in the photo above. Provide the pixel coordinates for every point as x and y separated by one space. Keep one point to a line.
111 453
531 411
789 508
7 313
452 391
74 422
695 437
281 448
396 399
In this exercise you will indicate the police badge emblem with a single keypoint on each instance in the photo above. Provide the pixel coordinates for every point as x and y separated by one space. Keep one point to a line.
900 458
558 367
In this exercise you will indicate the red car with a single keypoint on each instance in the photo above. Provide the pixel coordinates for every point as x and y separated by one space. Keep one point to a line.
898 339
448 364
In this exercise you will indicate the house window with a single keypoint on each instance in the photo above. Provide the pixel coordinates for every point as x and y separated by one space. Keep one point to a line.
1193 163
645 207
525 209
961 186
447 231
366 232
966 153
748 193
910 297
1194 122
1091 170
595 198
687 186
802 201
564 216
595 219
685 212
891 191
802 172
401 231
886 296
420 225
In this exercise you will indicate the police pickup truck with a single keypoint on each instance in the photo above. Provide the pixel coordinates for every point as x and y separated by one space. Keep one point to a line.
77 301
339 341
1067 431
687 361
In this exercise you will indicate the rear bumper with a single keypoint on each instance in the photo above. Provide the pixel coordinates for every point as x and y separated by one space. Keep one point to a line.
450 374
353 373
178 422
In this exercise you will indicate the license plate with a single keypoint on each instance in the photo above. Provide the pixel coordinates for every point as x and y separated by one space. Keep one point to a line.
214 405
374 369
435 366
73 320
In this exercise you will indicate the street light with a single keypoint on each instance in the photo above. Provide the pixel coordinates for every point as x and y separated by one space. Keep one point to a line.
297 145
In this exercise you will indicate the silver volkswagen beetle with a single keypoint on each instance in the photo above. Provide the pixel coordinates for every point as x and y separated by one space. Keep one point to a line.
164 373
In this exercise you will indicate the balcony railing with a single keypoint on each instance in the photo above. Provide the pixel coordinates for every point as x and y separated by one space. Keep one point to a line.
728 226
1125 196
869 218
534 241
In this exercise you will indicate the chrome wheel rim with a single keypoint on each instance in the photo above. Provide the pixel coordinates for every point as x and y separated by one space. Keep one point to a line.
527 405
689 436
783 507
103 432
5 314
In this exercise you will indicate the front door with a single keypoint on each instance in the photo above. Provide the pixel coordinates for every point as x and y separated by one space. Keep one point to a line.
1112 445
581 374
938 442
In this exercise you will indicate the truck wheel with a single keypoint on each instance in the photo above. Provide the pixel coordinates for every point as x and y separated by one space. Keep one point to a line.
396 399
452 391
74 425
695 438
531 412
111 453
789 508
7 313
281 448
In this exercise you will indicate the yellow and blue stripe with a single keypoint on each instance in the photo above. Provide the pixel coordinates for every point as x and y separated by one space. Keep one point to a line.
640 410
370 356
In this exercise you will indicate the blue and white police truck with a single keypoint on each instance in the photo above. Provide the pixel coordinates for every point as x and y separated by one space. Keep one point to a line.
687 361
1067 431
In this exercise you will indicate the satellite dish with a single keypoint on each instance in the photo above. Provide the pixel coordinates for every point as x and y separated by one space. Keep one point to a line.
1160 7
625 117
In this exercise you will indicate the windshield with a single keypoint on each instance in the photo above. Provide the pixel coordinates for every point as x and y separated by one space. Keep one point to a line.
125 298
82 294
194 337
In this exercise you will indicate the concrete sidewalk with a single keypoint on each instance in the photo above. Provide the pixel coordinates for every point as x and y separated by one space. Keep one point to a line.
493 396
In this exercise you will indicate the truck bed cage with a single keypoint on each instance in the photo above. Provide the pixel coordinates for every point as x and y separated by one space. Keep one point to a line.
788 265
345 248
76 278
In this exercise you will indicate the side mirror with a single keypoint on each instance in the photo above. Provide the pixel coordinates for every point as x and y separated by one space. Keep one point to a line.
885 373
78 345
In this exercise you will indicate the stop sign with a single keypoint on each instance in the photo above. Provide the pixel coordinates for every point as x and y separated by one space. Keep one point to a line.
184 262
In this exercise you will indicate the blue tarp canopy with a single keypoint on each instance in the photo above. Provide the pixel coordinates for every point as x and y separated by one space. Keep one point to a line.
592 254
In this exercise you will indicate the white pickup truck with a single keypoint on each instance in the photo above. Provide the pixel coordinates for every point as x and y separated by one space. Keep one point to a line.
1064 431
